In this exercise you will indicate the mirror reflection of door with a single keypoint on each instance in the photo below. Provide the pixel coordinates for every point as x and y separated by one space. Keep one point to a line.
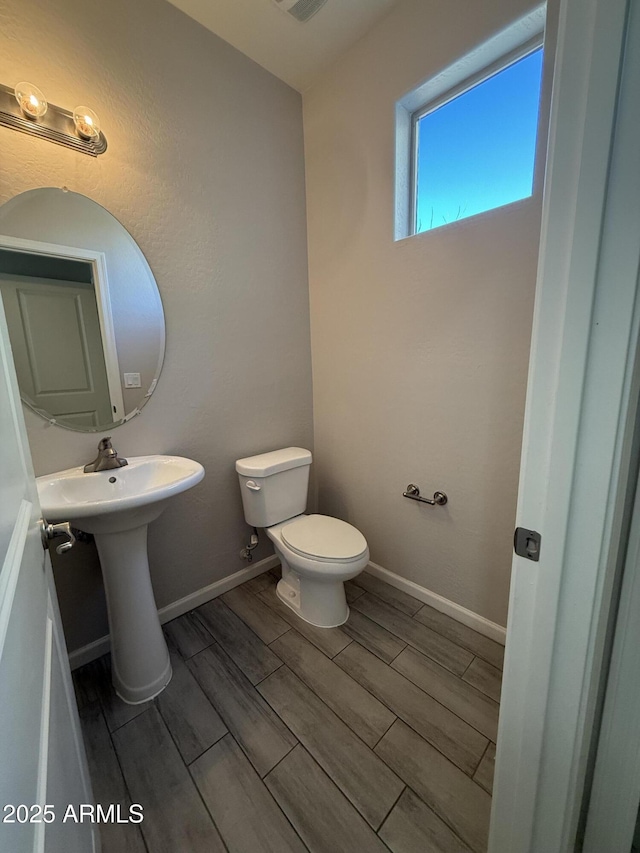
57 346
51 236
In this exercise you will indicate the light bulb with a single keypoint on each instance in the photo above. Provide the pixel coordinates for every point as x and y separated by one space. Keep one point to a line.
31 100
87 123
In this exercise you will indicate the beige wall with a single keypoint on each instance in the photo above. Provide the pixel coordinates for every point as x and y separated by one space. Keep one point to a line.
420 347
205 169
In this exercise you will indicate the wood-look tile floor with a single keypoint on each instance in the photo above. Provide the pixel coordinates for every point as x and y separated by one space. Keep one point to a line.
275 736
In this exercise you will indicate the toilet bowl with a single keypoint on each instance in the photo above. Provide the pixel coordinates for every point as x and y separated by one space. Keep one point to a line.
318 553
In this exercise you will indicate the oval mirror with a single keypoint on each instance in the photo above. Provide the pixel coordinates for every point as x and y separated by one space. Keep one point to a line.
84 313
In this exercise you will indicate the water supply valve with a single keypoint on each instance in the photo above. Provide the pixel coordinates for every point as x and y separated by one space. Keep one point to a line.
245 553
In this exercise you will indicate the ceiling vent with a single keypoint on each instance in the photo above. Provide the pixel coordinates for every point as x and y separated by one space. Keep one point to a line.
301 10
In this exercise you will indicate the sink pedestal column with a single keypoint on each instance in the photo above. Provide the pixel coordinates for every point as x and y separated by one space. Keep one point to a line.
139 656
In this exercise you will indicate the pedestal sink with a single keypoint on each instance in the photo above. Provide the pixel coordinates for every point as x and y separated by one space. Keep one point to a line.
116 506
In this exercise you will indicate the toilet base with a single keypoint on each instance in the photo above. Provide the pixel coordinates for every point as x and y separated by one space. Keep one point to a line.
317 602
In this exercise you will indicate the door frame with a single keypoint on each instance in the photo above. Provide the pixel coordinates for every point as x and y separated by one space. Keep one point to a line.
98 262
578 452
615 792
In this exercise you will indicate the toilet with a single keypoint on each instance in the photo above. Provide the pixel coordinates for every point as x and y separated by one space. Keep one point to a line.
318 553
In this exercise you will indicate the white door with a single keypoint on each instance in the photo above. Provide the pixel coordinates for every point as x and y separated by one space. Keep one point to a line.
43 766
577 475
55 335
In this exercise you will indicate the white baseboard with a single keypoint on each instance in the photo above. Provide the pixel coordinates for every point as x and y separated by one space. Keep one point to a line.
444 605
101 646
200 596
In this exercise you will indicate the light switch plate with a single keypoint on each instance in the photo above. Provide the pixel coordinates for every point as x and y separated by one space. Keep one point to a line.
132 380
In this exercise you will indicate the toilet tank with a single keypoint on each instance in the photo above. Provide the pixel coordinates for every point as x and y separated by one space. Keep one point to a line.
274 485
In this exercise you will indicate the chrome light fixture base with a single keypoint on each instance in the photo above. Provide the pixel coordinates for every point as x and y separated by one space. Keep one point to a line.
56 125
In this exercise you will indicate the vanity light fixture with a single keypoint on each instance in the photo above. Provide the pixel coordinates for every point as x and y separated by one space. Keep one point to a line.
25 108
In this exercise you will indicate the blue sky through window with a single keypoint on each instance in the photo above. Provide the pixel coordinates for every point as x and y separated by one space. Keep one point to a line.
477 152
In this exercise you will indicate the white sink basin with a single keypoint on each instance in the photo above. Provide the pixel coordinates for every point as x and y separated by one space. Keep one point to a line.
118 499
116 506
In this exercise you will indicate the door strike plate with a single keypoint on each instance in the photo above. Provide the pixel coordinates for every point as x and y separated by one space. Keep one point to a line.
526 543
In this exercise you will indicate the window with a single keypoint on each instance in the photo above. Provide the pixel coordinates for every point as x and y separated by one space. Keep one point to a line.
466 137
475 150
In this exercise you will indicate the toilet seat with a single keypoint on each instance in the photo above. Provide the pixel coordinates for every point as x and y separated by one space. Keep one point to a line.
321 537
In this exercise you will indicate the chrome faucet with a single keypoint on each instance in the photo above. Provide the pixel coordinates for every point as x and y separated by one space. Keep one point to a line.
106 459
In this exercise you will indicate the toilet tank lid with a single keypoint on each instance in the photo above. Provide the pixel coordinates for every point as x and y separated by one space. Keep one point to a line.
272 463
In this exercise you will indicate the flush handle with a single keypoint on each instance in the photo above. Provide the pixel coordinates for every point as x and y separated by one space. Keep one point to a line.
52 531
251 484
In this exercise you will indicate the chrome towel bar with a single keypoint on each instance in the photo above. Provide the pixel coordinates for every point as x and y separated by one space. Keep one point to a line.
413 493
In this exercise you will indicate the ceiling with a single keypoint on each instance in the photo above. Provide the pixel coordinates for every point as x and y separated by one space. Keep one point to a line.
292 51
